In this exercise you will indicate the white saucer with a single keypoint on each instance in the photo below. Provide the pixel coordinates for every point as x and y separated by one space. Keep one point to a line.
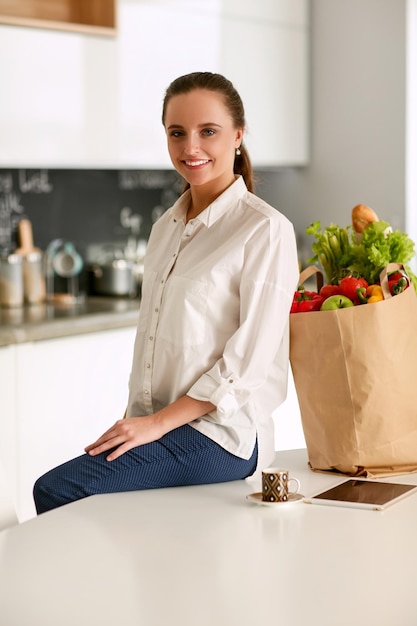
292 498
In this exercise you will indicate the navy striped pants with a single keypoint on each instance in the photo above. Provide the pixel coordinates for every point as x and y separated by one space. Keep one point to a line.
183 456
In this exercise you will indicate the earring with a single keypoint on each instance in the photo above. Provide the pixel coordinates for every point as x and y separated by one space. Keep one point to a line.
238 152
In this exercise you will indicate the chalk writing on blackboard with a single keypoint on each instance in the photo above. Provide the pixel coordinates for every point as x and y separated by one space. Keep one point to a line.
6 182
34 181
146 179
9 206
10 203
11 209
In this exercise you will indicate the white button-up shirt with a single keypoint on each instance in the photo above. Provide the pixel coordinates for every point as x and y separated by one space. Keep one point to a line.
214 318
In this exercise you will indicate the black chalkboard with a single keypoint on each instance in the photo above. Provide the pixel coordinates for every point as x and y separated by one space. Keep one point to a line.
82 206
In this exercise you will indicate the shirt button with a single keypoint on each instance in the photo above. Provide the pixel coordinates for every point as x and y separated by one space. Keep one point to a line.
146 392
156 309
151 338
148 365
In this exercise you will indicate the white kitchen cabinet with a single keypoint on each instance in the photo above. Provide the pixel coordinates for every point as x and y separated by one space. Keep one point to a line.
294 12
267 62
264 51
8 427
77 100
70 391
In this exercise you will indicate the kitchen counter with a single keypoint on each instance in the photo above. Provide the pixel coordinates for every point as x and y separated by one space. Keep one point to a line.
56 319
204 555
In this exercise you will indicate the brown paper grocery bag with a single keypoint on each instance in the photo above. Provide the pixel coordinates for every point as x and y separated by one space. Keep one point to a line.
355 376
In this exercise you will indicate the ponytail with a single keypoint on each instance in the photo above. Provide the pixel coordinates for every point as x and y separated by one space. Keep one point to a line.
243 166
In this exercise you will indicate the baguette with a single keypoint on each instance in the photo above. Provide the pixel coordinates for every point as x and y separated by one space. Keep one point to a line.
362 216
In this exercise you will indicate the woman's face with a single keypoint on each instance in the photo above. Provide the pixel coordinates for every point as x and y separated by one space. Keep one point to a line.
202 140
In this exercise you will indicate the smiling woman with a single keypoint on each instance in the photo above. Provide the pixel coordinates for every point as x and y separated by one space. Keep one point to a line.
211 354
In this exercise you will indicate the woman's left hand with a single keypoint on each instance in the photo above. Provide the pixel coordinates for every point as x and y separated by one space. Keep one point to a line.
126 434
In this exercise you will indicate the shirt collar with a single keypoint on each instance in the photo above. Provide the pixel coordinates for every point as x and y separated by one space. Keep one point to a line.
216 209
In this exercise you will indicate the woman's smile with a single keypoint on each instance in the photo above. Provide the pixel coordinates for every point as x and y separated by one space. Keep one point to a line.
196 163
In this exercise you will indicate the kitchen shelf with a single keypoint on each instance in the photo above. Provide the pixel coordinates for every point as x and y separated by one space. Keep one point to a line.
96 17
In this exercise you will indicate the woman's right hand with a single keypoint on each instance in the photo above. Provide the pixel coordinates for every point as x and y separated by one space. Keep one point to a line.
126 434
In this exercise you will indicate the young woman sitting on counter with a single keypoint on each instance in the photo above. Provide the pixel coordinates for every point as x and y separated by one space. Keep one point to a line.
211 352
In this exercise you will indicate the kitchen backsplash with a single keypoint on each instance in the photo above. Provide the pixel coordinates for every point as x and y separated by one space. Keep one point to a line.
85 207
98 214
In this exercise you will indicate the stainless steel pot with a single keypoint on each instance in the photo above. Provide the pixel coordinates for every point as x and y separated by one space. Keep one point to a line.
115 278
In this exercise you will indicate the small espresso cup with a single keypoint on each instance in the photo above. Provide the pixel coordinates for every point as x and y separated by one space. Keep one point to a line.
275 483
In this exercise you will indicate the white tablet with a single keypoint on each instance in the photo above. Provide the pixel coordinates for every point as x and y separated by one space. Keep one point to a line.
363 493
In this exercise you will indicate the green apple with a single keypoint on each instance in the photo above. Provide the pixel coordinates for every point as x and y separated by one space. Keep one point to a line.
336 302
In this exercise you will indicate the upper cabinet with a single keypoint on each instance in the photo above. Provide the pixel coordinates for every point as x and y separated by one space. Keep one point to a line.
94 16
88 101
264 51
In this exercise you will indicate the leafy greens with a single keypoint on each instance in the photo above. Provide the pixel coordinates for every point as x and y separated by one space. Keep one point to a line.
341 250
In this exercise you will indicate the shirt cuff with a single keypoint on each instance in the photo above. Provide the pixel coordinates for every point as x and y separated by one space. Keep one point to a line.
225 394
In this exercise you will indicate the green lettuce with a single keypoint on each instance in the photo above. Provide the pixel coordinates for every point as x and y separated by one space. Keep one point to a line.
376 247
341 250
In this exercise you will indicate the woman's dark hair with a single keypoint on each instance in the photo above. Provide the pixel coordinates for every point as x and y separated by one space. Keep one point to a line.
233 102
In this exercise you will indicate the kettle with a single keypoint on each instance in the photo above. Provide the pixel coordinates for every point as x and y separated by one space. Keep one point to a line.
63 260
67 262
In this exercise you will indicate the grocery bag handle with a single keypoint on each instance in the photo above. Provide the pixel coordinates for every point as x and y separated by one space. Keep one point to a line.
383 277
308 272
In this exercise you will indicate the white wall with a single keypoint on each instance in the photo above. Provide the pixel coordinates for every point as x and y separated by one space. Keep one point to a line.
358 123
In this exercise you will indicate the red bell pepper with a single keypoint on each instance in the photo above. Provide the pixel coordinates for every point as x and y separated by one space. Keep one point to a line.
398 282
305 301
330 290
350 285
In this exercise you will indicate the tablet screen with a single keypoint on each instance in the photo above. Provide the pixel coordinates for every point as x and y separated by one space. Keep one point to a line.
364 492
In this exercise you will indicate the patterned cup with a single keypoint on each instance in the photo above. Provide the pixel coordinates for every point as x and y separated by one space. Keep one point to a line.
275 483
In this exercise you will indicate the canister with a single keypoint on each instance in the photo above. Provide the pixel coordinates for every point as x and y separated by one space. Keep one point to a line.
11 280
33 278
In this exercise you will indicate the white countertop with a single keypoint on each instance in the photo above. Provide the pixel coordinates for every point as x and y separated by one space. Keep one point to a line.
205 556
